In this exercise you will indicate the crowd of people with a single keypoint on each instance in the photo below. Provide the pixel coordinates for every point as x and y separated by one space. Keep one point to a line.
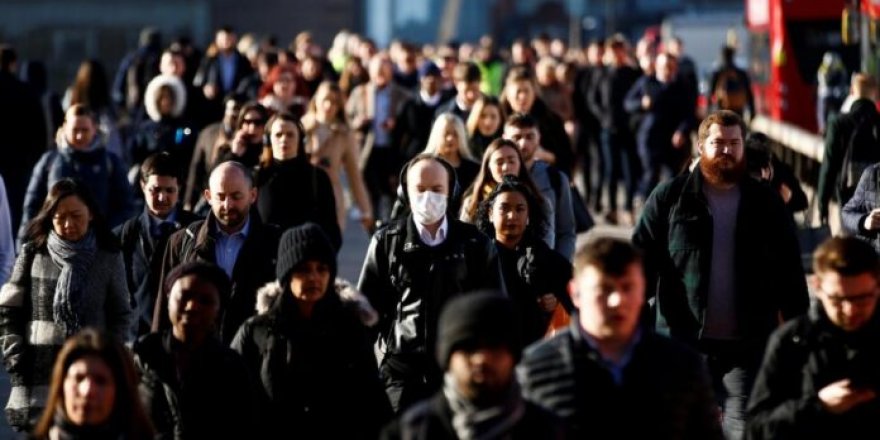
177 232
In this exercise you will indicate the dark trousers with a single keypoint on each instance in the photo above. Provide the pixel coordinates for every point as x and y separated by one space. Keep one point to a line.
380 176
733 367
620 163
654 162
409 379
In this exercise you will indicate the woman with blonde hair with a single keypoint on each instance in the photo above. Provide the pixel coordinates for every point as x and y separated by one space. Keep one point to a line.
94 392
449 140
332 146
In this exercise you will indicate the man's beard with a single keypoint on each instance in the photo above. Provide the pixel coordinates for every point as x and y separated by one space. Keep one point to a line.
722 170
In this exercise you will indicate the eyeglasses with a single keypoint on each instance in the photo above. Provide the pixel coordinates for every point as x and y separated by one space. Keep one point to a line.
860 299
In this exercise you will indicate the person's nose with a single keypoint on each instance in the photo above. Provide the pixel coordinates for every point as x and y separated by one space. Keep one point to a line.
87 387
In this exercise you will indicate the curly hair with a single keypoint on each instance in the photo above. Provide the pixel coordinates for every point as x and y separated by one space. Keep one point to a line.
537 225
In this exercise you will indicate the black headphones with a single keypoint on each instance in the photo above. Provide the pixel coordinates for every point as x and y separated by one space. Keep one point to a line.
454 188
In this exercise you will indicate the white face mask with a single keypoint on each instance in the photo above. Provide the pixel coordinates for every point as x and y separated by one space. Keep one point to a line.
428 207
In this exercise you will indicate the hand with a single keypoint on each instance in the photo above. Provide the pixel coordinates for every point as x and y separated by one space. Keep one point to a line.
678 139
368 223
239 143
784 191
545 155
210 91
548 302
872 221
646 102
840 397
388 125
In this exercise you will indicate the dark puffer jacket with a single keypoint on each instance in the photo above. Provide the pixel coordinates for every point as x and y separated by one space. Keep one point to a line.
665 391
317 377
802 357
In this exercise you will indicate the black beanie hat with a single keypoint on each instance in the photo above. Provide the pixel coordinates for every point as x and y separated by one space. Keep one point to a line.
476 320
301 243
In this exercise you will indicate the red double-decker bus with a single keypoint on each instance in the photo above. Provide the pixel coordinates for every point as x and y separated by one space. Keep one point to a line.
787 39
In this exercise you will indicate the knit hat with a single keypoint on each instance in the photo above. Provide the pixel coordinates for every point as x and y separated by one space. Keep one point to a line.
302 243
428 68
477 320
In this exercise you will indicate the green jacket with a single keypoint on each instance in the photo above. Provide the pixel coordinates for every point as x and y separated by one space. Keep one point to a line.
675 233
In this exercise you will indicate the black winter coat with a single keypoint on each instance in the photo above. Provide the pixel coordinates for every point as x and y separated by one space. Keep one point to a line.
531 271
408 282
413 126
317 377
665 393
432 420
293 192
254 267
214 398
802 357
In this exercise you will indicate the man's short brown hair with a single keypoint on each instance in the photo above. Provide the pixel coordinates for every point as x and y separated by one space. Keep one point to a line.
610 256
724 118
466 72
846 256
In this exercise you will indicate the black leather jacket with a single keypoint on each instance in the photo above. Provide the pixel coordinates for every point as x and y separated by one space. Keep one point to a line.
408 282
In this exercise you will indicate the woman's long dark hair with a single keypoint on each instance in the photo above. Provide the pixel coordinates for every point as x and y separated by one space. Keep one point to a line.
128 412
484 179
39 228
537 226
91 86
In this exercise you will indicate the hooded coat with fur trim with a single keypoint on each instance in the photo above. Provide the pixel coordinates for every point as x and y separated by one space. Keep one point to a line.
316 374
171 133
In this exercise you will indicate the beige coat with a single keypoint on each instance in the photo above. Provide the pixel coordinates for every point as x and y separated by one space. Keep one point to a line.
333 147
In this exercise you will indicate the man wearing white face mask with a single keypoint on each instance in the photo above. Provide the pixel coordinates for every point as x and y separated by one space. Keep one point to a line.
413 266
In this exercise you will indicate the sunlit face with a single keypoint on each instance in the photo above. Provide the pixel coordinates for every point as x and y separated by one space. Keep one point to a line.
311 68
504 162
230 112
468 91
520 95
482 373
284 136
285 86
79 131
71 218
722 155
328 102
310 280
225 41
510 216
193 307
230 195
427 175
527 139
449 147
89 391
849 301
161 194
172 64
666 68
489 120
608 305
254 126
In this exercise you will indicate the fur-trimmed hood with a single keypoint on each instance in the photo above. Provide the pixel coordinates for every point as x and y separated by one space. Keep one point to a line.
351 298
152 93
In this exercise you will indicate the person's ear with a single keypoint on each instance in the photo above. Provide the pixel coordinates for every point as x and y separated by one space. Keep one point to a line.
207 195
253 195
573 293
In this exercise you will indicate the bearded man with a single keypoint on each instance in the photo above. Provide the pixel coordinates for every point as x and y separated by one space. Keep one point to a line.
722 263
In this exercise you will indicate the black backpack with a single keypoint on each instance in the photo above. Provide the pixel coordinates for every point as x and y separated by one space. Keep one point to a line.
862 151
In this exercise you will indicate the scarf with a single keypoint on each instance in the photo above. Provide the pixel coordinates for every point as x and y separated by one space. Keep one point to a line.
75 259
64 429
474 423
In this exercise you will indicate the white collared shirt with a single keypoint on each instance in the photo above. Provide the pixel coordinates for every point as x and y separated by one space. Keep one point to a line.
425 235
431 100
